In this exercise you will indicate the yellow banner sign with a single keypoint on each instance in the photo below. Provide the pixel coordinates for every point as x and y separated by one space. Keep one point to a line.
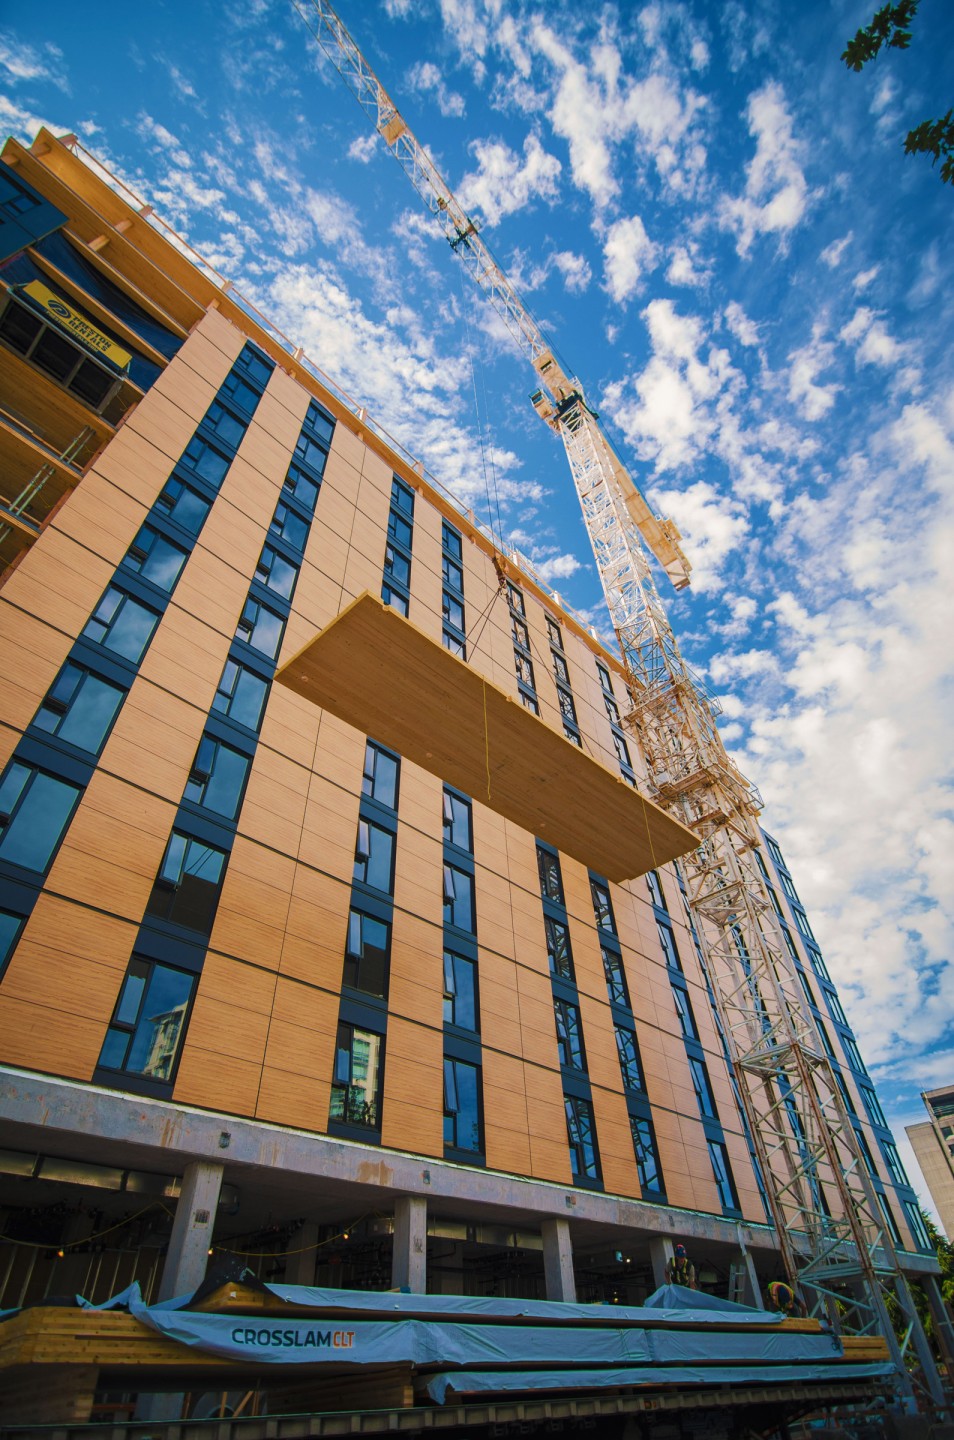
76 323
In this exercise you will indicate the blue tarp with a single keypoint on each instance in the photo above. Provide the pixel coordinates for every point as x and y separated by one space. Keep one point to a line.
669 1304
450 1388
283 1340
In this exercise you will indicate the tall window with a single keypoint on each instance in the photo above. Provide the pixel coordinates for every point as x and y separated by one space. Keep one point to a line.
80 708
702 1087
10 928
462 1128
569 1035
35 809
581 1133
457 821
629 1059
647 1157
148 1026
395 589
615 976
452 595
374 856
687 1022
217 778
366 953
655 890
260 627
722 1175
667 943
602 906
241 695
121 624
356 1088
551 881
187 887
460 991
380 779
184 505
458 898
559 953
156 558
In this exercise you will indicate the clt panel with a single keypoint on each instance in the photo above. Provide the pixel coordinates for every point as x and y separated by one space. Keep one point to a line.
381 674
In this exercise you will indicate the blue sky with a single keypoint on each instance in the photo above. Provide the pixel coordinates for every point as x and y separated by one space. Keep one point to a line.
716 224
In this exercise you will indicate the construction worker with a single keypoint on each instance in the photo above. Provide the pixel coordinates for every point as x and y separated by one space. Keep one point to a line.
784 1299
680 1269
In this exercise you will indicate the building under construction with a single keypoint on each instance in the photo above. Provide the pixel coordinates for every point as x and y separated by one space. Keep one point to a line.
364 961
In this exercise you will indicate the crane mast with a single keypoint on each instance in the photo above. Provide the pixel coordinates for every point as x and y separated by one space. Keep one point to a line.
831 1229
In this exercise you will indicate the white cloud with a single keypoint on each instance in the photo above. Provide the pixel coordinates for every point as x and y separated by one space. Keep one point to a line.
558 567
25 63
574 269
503 184
684 267
869 334
856 756
864 278
776 193
363 147
712 527
832 254
425 77
739 324
665 411
393 366
596 107
627 253
813 400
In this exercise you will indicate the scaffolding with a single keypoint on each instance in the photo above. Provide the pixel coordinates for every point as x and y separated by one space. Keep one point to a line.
832 1233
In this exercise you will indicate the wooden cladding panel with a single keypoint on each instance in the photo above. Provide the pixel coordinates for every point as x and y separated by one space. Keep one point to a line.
154 740
31 654
506 1127
250 920
494 920
186 656
100 517
413 1111
287 1097
416 985
113 847
273 809
158 422
546 1123
329 830
314 942
615 1139
64 974
217 1082
38 1038
290 730
58 581
418 875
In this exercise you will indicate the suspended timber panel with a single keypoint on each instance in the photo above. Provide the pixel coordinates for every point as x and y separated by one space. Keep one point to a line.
378 672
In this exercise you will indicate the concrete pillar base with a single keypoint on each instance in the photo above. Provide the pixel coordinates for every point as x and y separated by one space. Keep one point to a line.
409 1259
558 1260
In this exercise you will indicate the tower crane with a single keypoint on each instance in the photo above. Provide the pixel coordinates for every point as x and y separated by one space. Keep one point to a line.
831 1229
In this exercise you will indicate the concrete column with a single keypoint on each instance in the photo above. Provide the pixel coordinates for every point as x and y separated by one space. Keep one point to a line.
409 1258
188 1252
558 1260
743 1268
300 1264
660 1253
